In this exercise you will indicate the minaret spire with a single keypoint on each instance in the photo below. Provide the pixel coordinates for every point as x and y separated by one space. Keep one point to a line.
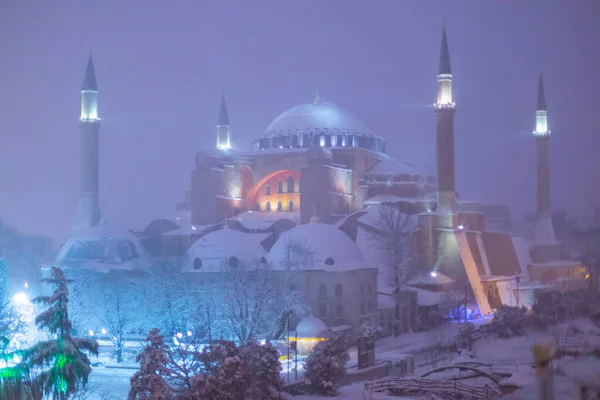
317 99
223 127
541 100
88 207
444 112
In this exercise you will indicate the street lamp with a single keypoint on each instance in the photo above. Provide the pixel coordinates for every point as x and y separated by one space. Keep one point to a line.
518 279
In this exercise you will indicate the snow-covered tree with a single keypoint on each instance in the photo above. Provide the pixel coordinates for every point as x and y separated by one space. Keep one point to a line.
226 375
511 321
264 367
370 327
326 365
251 299
390 232
61 360
149 382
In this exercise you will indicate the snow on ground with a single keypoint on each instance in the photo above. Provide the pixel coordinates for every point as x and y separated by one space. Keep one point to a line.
110 380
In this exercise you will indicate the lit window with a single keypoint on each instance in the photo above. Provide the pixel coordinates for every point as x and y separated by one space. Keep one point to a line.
296 186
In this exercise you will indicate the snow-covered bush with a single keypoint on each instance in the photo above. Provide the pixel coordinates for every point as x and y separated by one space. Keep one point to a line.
510 321
370 327
552 307
226 375
326 365
465 336
148 383
264 368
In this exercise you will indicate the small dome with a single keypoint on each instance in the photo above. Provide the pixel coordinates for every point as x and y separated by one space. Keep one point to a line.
100 246
311 327
211 251
317 116
316 246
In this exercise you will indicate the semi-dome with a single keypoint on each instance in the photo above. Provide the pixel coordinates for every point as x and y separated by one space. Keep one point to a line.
316 246
311 327
102 246
319 123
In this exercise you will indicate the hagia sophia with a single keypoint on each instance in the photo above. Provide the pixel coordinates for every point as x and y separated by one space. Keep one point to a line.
313 195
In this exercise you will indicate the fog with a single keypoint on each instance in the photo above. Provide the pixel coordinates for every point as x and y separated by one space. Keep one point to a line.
161 69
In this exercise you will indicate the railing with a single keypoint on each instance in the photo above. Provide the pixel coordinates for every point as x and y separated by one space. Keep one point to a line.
445 389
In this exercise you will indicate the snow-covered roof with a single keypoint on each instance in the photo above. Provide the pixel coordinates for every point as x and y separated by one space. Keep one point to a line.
316 246
429 279
387 198
101 247
310 327
557 264
385 301
429 298
392 166
260 220
215 248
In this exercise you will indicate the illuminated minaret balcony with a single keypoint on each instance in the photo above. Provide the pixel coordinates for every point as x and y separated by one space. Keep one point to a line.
89 105
541 123
444 97
223 128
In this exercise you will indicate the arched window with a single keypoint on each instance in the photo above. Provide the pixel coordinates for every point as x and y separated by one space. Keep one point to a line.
322 291
329 261
233 262
290 184
279 206
291 205
296 186
339 311
279 186
257 207
339 290
197 263
268 206
268 190
322 311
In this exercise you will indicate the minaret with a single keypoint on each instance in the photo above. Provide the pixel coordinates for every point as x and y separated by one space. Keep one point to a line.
223 127
444 112
88 206
544 231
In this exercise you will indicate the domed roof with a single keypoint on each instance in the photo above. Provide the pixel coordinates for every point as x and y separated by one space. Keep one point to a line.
208 253
310 327
316 246
100 246
319 116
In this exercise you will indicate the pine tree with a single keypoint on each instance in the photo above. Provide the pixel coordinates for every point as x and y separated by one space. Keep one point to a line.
64 365
326 365
149 382
262 362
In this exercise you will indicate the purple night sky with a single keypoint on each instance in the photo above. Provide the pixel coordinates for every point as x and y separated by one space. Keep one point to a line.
161 69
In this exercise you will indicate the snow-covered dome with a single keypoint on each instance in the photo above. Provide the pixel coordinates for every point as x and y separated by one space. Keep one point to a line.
316 246
311 327
211 251
317 116
319 123
102 246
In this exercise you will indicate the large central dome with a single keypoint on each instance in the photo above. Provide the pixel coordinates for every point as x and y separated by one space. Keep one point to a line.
318 124
318 116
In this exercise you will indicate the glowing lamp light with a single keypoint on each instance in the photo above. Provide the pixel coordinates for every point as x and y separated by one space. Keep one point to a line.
189 333
91 332
194 227
433 274
587 276
103 331
179 335
461 227
26 285
20 299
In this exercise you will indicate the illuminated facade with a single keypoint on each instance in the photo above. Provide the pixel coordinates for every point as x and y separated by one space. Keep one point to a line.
88 206
314 159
